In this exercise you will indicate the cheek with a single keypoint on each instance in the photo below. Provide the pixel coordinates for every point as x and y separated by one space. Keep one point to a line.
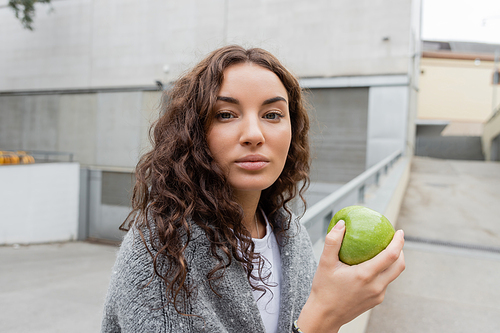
283 144
216 141
287 138
211 142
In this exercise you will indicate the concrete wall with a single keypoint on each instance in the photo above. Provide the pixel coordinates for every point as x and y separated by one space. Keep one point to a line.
83 44
109 193
450 147
387 122
457 90
338 133
354 128
351 127
98 46
39 203
495 149
431 143
413 75
110 43
490 138
101 128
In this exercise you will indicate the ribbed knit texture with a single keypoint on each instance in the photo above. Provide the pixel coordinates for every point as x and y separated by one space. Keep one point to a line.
136 299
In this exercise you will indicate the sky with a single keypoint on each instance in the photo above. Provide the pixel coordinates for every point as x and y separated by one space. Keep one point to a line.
461 20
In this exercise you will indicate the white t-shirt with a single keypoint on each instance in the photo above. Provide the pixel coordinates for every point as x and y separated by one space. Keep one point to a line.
269 304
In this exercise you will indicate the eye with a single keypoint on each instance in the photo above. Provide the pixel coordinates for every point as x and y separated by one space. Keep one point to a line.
273 115
224 115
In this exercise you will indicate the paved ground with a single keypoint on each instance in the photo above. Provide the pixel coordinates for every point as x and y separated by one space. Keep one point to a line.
450 208
54 287
451 218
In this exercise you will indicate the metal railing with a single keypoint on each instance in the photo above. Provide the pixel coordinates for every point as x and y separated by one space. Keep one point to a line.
317 218
52 156
41 156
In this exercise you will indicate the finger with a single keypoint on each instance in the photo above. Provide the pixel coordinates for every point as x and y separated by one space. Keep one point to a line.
388 256
333 241
391 273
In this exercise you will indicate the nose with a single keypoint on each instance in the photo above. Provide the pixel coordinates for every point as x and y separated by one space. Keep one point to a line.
252 133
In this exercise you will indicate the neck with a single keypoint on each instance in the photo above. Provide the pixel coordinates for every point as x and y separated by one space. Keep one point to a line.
252 219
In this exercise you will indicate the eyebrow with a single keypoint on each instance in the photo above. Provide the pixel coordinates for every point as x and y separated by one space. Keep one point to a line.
228 99
274 99
266 102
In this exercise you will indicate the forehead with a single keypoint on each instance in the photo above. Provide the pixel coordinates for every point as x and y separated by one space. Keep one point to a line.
249 76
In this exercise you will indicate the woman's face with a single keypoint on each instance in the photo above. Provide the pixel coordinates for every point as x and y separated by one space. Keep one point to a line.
251 132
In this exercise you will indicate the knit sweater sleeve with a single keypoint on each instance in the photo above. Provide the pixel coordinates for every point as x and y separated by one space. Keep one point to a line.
136 298
135 301
298 269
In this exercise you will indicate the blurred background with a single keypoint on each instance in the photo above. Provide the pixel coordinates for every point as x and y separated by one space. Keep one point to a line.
404 100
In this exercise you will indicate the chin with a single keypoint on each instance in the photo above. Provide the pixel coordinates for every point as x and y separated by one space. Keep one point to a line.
253 187
254 183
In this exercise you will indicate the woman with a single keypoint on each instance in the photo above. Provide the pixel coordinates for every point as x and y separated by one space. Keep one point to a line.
212 244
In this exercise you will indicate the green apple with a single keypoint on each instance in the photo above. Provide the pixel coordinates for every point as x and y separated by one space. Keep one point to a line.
367 233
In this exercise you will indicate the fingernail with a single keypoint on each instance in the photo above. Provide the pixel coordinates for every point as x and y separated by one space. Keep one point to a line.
340 224
401 233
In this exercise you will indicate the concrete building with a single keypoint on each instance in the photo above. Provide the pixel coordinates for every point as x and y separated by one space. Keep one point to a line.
456 100
85 80
456 81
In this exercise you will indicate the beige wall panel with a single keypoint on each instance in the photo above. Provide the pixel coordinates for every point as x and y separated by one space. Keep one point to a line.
456 90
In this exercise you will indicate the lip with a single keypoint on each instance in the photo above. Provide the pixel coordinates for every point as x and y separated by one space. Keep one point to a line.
252 162
252 158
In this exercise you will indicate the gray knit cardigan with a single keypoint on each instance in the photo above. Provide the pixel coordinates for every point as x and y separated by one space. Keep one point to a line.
136 300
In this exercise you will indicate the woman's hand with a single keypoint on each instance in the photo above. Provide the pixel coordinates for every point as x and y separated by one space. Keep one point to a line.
341 292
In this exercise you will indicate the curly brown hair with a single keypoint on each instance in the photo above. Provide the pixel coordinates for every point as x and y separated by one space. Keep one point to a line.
179 184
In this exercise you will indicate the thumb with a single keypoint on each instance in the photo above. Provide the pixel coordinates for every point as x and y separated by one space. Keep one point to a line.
333 241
